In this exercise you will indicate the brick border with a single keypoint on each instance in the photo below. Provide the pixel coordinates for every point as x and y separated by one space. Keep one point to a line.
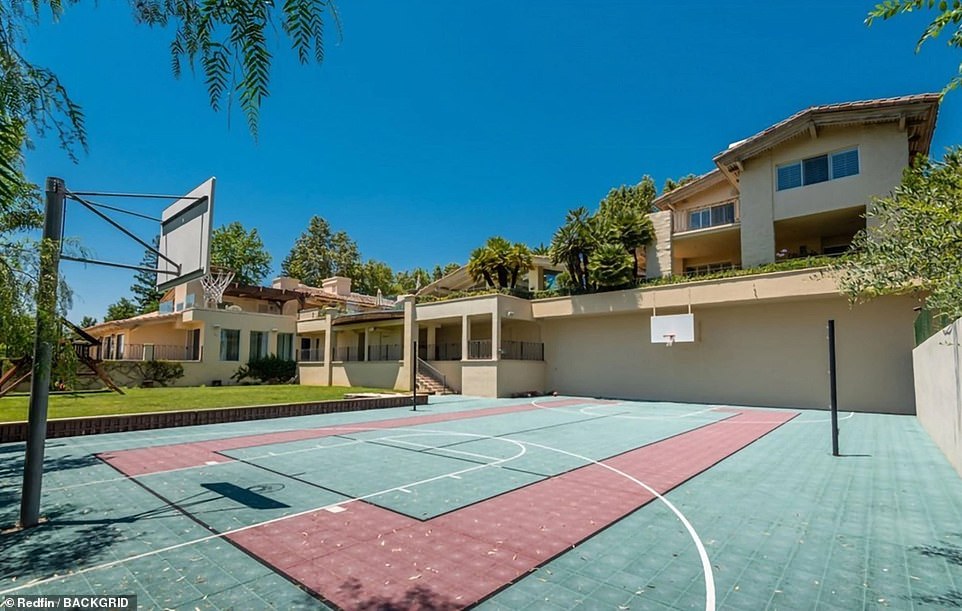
96 425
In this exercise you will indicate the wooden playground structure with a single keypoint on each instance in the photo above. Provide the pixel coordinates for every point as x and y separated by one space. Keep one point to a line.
85 346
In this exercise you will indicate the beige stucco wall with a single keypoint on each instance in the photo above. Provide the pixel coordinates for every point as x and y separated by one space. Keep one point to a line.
479 378
937 365
384 374
520 331
883 154
312 374
658 253
716 194
516 377
770 354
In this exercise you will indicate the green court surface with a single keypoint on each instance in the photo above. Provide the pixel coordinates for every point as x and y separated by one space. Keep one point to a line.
784 524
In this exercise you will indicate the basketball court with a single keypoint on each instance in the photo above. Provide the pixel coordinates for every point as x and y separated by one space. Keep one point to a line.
553 502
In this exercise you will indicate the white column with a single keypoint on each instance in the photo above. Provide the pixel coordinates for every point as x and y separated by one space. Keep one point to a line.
496 332
465 336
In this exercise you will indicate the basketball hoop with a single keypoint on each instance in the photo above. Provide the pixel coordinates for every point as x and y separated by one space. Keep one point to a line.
215 283
669 339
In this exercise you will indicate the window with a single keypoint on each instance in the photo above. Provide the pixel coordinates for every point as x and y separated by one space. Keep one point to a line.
166 307
120 347
230 344
721 214
258 344
189 300
817 169
285 345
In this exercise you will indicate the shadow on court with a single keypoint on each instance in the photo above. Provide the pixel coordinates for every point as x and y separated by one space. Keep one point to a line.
418 597
49 549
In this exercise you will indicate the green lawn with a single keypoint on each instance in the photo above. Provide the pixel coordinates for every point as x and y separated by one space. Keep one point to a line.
139 400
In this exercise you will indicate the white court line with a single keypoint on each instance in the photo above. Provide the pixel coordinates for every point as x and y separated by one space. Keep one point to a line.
702 553
327 507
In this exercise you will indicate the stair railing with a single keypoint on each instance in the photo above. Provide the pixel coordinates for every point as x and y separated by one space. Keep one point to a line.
433 372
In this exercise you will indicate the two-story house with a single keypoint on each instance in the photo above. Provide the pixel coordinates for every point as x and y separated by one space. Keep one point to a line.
799 188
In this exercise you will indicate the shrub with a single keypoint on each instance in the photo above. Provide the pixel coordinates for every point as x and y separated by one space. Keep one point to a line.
270 369
160 372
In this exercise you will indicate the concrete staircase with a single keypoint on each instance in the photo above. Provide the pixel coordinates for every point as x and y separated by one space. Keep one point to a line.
429 386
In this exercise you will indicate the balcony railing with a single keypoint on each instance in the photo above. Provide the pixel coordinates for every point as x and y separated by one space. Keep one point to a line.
151 352
384 352
450 351
479 349
522 351
309 355
346 353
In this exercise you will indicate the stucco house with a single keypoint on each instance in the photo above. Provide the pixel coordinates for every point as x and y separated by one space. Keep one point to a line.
798 188
213 340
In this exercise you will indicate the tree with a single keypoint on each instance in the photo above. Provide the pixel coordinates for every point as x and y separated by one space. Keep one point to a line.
916 240
610 267
412 281
227 40
947 15
87 321
499 263
440 272
241 251
320 253
121 310
671 185
375 276
630 228
572 245
637 197
144 287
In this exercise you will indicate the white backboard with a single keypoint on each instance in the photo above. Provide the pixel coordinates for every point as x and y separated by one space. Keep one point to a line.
185 230
681 326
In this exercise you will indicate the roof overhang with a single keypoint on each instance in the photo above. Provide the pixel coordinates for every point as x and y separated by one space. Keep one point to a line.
914 114
706 181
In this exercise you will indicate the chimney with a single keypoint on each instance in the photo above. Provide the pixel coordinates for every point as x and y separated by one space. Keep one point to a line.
338 285
286 283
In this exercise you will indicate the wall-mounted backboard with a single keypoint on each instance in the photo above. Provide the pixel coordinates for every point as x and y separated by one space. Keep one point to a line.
673 328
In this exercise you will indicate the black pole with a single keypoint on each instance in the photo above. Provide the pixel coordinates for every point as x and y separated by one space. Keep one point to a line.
833 386
43 350
414 375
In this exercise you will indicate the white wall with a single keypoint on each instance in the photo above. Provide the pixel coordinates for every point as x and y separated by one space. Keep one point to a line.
937 364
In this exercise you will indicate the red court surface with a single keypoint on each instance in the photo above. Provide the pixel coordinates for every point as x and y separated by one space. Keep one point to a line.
356 553
144 461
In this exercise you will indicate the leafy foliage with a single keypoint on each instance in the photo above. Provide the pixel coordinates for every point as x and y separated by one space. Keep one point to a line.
228 40
947 15
610 267
499 263
270 369
87 321
916 240
637 197
671 184
620 223
241 251
320 253
144 287
160 372
121 310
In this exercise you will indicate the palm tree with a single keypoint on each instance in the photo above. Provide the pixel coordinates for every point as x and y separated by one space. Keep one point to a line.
517 261
610 267
628 227
499 263
572 245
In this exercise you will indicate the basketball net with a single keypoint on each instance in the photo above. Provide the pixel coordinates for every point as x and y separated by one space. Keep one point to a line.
214 284
669 339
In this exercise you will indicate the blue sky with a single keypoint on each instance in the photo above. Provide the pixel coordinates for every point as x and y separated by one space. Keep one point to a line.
434 125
